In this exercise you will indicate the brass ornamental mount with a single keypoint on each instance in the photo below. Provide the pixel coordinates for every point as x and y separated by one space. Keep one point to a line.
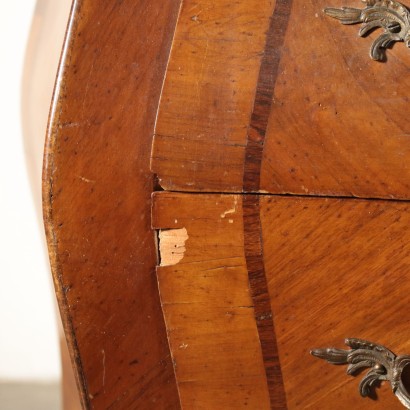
390 15
384 366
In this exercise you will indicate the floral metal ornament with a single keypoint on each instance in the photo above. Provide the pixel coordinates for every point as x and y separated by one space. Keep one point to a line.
390 15
383 364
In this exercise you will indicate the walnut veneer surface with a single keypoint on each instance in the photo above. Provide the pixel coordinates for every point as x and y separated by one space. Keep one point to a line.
334 268
272 119
274 96
97 190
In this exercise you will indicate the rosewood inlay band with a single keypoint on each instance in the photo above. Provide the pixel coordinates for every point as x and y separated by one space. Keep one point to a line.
251 212
268 73
261 300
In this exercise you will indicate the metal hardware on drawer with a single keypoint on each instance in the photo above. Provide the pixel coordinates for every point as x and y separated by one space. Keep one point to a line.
384 364
393 16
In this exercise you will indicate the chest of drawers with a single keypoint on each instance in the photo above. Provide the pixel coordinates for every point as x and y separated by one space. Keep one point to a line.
226 189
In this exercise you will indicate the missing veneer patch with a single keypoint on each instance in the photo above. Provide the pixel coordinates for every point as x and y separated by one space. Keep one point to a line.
172 246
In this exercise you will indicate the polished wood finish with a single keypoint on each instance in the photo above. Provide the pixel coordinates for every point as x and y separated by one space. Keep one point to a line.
207 100
255 265
339 123
40 66
70 393
259 97
208 306
97 189
264 93
335 268
320 118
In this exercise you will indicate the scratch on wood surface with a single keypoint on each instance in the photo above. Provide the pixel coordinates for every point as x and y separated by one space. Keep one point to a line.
183 346
201 75
232 210
172 246
87 88
103 363
70 125
86 180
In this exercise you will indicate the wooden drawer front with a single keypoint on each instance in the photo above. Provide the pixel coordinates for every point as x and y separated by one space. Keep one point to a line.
336 269
207 304
328 268
278 97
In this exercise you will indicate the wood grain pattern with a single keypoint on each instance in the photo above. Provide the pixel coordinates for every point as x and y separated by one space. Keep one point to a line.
255 265
259 96
328 120
207 100
269 70
207 305
339 123
41 61
336 268
97 188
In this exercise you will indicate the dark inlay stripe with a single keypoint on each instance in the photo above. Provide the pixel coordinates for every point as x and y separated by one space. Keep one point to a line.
261 300
268 74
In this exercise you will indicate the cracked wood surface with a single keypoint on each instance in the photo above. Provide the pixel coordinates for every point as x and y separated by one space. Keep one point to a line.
172 245
208 307
96 194
275 97
206 103
334 268
250 103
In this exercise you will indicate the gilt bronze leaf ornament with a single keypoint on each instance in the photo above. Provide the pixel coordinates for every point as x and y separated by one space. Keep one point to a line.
390 15
384 366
